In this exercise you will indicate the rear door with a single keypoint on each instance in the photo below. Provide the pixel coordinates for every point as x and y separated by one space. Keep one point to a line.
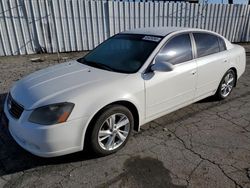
212 62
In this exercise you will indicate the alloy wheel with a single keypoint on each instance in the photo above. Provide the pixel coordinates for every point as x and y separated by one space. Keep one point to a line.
114 131
227 84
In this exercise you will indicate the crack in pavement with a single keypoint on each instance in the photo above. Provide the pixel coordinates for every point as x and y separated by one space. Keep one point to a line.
205 159
244 128
248 172
191 173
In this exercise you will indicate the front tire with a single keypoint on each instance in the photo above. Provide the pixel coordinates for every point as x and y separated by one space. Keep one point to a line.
226 85
111 130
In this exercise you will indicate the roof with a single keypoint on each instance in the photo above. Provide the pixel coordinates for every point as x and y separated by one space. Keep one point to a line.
158 31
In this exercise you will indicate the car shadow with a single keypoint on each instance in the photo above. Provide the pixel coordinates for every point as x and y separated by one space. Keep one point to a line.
208 100
14 159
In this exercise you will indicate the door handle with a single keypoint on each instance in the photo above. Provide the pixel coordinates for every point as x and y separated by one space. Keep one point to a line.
193 72
225 61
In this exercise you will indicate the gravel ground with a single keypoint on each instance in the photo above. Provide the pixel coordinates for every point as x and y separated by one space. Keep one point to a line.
206 144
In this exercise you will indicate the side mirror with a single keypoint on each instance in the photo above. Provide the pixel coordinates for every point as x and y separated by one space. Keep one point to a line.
162 66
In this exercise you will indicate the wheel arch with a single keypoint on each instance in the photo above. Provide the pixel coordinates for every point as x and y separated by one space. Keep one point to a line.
125 103
235 71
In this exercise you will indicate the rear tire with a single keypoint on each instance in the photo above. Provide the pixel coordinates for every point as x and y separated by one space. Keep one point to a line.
111 129
226 85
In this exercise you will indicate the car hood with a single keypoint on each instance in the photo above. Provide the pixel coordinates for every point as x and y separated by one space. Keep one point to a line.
58 81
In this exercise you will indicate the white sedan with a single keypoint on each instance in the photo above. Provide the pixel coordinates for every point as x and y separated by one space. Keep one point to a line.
128 80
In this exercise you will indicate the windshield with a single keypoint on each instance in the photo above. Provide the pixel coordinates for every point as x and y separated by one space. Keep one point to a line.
124 53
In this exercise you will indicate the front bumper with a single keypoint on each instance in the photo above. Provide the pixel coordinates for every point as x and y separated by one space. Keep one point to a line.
47 141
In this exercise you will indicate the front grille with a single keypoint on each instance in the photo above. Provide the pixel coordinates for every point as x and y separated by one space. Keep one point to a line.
14 108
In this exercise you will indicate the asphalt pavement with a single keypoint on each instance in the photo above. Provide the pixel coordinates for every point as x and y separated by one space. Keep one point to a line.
206 144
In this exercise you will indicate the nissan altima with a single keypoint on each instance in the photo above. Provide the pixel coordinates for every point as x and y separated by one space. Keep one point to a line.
130 79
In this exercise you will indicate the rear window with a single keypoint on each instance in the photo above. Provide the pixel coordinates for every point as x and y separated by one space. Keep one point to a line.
206 44
222 44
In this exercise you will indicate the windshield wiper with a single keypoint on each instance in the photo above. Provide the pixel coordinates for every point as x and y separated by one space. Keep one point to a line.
94 64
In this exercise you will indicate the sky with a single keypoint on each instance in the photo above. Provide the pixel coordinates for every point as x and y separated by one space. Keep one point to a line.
226 1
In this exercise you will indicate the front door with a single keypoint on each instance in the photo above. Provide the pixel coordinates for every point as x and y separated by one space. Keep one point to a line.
167 91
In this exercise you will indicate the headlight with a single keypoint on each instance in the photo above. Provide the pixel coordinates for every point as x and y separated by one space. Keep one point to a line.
51 114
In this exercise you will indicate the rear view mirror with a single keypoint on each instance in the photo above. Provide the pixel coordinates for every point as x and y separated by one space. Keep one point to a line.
162 66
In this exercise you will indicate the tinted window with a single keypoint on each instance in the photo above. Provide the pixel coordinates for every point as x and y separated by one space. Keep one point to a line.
177 50
123 53
206 44
222 44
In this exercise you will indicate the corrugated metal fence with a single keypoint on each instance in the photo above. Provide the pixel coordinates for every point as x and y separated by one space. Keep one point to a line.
33 26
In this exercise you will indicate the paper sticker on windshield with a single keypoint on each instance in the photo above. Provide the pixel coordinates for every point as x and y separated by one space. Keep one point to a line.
152 38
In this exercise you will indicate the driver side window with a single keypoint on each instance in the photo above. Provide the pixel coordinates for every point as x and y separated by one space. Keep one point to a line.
177 50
